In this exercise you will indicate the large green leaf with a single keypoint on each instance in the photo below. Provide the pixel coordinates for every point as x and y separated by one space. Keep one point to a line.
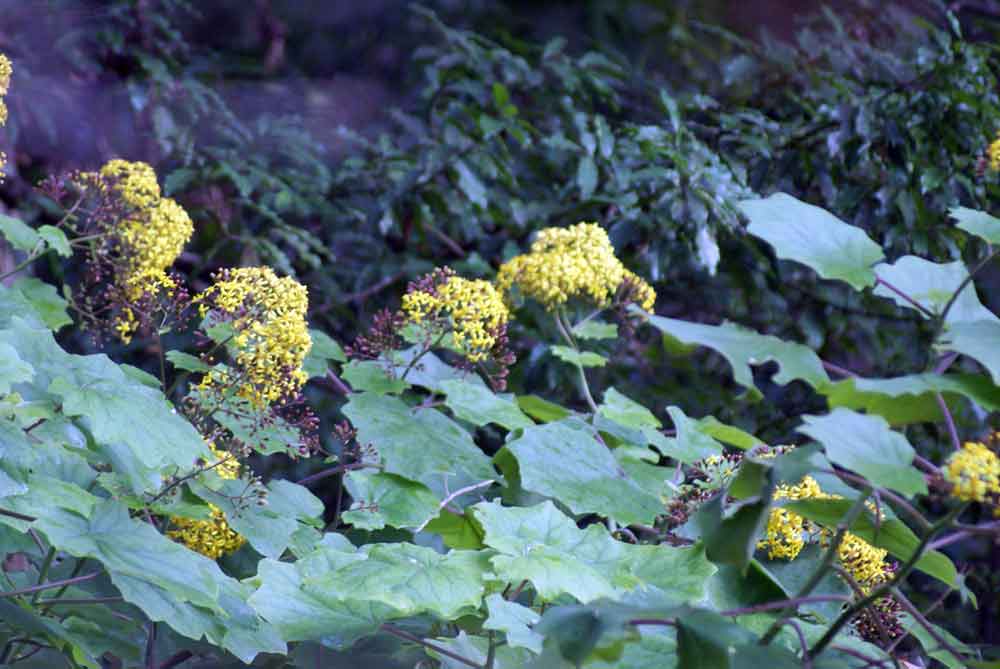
12 368
866 445
543 546
814 237
692 441
977 223
977 339
133 425
932 285
911 399
45 301
20 235
565 461
742 347
269 529
419 444
479 405
288 598
382 499
890 534
515 621
323 350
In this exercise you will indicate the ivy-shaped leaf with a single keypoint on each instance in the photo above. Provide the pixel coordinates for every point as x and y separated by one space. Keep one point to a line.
742 347
814 237
565 461
865 444
977 223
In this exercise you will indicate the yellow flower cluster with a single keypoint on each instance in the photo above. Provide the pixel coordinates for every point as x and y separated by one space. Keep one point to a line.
864 562
574 262
271 337
787 532
212 538
473 307
148 239
5 71
993 153
974 472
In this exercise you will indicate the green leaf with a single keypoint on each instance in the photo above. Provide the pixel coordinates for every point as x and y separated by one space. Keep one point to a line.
911 399
13 370
977 223
932 647
322 351
133 548
586 177
792 575
814 237
545 547
411 579
979 340
514 621
419 444
693 441
382 500
187 362
20 235
595 329
289 597
470 184
742 347
43 299
730 536
579 358
541 409
627 412
269 529
480 406
457 531
706 640
429 371
56 240
133 426
565 461
865 444
372 376
476 649
932 285
541 545
727 434
891 534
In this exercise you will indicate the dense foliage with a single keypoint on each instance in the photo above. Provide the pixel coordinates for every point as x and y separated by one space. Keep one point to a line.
692 365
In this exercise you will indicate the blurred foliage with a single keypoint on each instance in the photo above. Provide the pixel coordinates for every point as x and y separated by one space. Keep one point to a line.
651 118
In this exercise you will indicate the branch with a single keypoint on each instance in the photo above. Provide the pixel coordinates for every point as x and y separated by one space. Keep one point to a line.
921 308
50 585
403 634
457 493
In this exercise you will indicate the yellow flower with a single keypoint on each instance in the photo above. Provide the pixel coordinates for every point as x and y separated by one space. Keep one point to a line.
147 240
864 562
577 262
472 308
993 153
212 538
787 532
5 71
271 337
974 472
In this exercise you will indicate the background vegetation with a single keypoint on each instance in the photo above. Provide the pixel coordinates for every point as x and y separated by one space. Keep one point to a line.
358 146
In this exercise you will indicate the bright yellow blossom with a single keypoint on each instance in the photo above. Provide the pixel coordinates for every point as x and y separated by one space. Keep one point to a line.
212 538
577 262
864 562
974 472
993 153
146 240
473 309
5 71
787 533
271 337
